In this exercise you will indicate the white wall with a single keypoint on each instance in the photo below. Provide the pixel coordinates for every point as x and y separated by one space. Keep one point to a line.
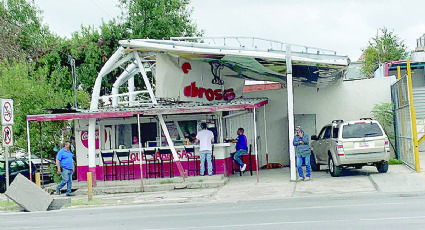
349 100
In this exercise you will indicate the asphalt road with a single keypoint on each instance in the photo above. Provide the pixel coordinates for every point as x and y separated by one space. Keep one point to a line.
364 211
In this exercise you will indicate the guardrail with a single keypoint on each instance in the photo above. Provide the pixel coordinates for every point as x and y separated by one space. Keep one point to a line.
251 43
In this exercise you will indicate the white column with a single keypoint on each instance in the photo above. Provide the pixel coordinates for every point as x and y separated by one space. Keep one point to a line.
220 126
92 148
140 151
265 134
131 96
101 136
255 145
290 112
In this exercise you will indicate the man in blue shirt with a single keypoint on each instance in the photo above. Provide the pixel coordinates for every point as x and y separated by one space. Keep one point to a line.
302 150
241 149
64 160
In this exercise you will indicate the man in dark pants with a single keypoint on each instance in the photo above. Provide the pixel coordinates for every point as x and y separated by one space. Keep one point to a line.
64 160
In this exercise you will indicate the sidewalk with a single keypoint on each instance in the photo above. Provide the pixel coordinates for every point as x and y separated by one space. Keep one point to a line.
276 184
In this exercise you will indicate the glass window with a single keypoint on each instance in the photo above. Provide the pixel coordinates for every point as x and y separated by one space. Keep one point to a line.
361 130
21 165
328 132
13 166
322 133
335 132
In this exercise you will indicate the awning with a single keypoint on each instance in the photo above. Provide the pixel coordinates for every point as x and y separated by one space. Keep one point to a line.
165 108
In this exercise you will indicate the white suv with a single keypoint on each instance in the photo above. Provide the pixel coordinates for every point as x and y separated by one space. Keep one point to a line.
350 144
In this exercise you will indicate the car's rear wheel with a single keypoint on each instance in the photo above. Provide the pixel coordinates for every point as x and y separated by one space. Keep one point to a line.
382 166
313 163
334 170
358 166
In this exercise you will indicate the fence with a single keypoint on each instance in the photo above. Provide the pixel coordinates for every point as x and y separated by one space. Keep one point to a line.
405 148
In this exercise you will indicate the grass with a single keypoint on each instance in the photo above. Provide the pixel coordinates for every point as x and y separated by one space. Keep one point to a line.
11 205
166 182
394 161
84 203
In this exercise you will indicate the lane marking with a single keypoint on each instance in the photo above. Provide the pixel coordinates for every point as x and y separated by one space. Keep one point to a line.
291 222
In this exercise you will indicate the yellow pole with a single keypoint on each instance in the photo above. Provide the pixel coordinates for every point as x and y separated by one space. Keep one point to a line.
413 115
37 179
398 73
89 186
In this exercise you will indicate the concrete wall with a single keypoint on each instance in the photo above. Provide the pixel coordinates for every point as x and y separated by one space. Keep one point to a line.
349 100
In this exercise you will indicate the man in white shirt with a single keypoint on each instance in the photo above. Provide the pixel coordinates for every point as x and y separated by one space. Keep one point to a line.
205 138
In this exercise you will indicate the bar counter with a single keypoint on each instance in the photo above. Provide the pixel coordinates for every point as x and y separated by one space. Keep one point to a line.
221 153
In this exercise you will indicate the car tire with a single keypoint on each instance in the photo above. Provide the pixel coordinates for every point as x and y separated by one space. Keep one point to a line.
333 169
382 167
314 165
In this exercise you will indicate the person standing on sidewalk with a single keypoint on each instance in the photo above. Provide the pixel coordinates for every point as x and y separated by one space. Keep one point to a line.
64 160
205 138
241 148
302 150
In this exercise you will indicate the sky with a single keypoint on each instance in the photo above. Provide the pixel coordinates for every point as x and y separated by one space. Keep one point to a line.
343 26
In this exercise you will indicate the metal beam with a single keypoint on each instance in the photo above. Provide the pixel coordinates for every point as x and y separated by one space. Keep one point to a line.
413 117
171 145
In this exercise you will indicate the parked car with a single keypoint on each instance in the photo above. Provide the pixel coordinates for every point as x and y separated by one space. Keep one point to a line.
15 166
43 168
350 144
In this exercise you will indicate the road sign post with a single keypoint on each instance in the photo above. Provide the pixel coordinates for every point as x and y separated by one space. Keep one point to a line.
7 132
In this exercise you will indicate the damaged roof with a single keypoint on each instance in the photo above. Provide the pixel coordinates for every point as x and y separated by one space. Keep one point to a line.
254 58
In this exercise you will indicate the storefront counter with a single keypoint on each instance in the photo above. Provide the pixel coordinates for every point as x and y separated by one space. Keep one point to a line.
221 153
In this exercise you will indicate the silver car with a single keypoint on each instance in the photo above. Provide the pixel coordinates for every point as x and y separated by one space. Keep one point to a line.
350 144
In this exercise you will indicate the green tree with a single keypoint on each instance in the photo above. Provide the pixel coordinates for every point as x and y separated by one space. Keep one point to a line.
31 94
21 23
91 47
384 114
384 47
158 19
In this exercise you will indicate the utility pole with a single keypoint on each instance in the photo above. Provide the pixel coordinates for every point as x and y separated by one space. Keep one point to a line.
74 78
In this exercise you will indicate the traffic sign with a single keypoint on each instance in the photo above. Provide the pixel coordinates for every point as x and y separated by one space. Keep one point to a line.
7 135
6 111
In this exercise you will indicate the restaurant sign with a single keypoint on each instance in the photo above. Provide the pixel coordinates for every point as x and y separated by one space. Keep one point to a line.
191 80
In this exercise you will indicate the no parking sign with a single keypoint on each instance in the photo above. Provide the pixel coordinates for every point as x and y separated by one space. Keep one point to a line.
7 121
6 111
7 135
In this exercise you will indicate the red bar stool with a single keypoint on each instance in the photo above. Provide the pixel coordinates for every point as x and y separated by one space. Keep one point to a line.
108 161
150 159
191 156
124 159
166 156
